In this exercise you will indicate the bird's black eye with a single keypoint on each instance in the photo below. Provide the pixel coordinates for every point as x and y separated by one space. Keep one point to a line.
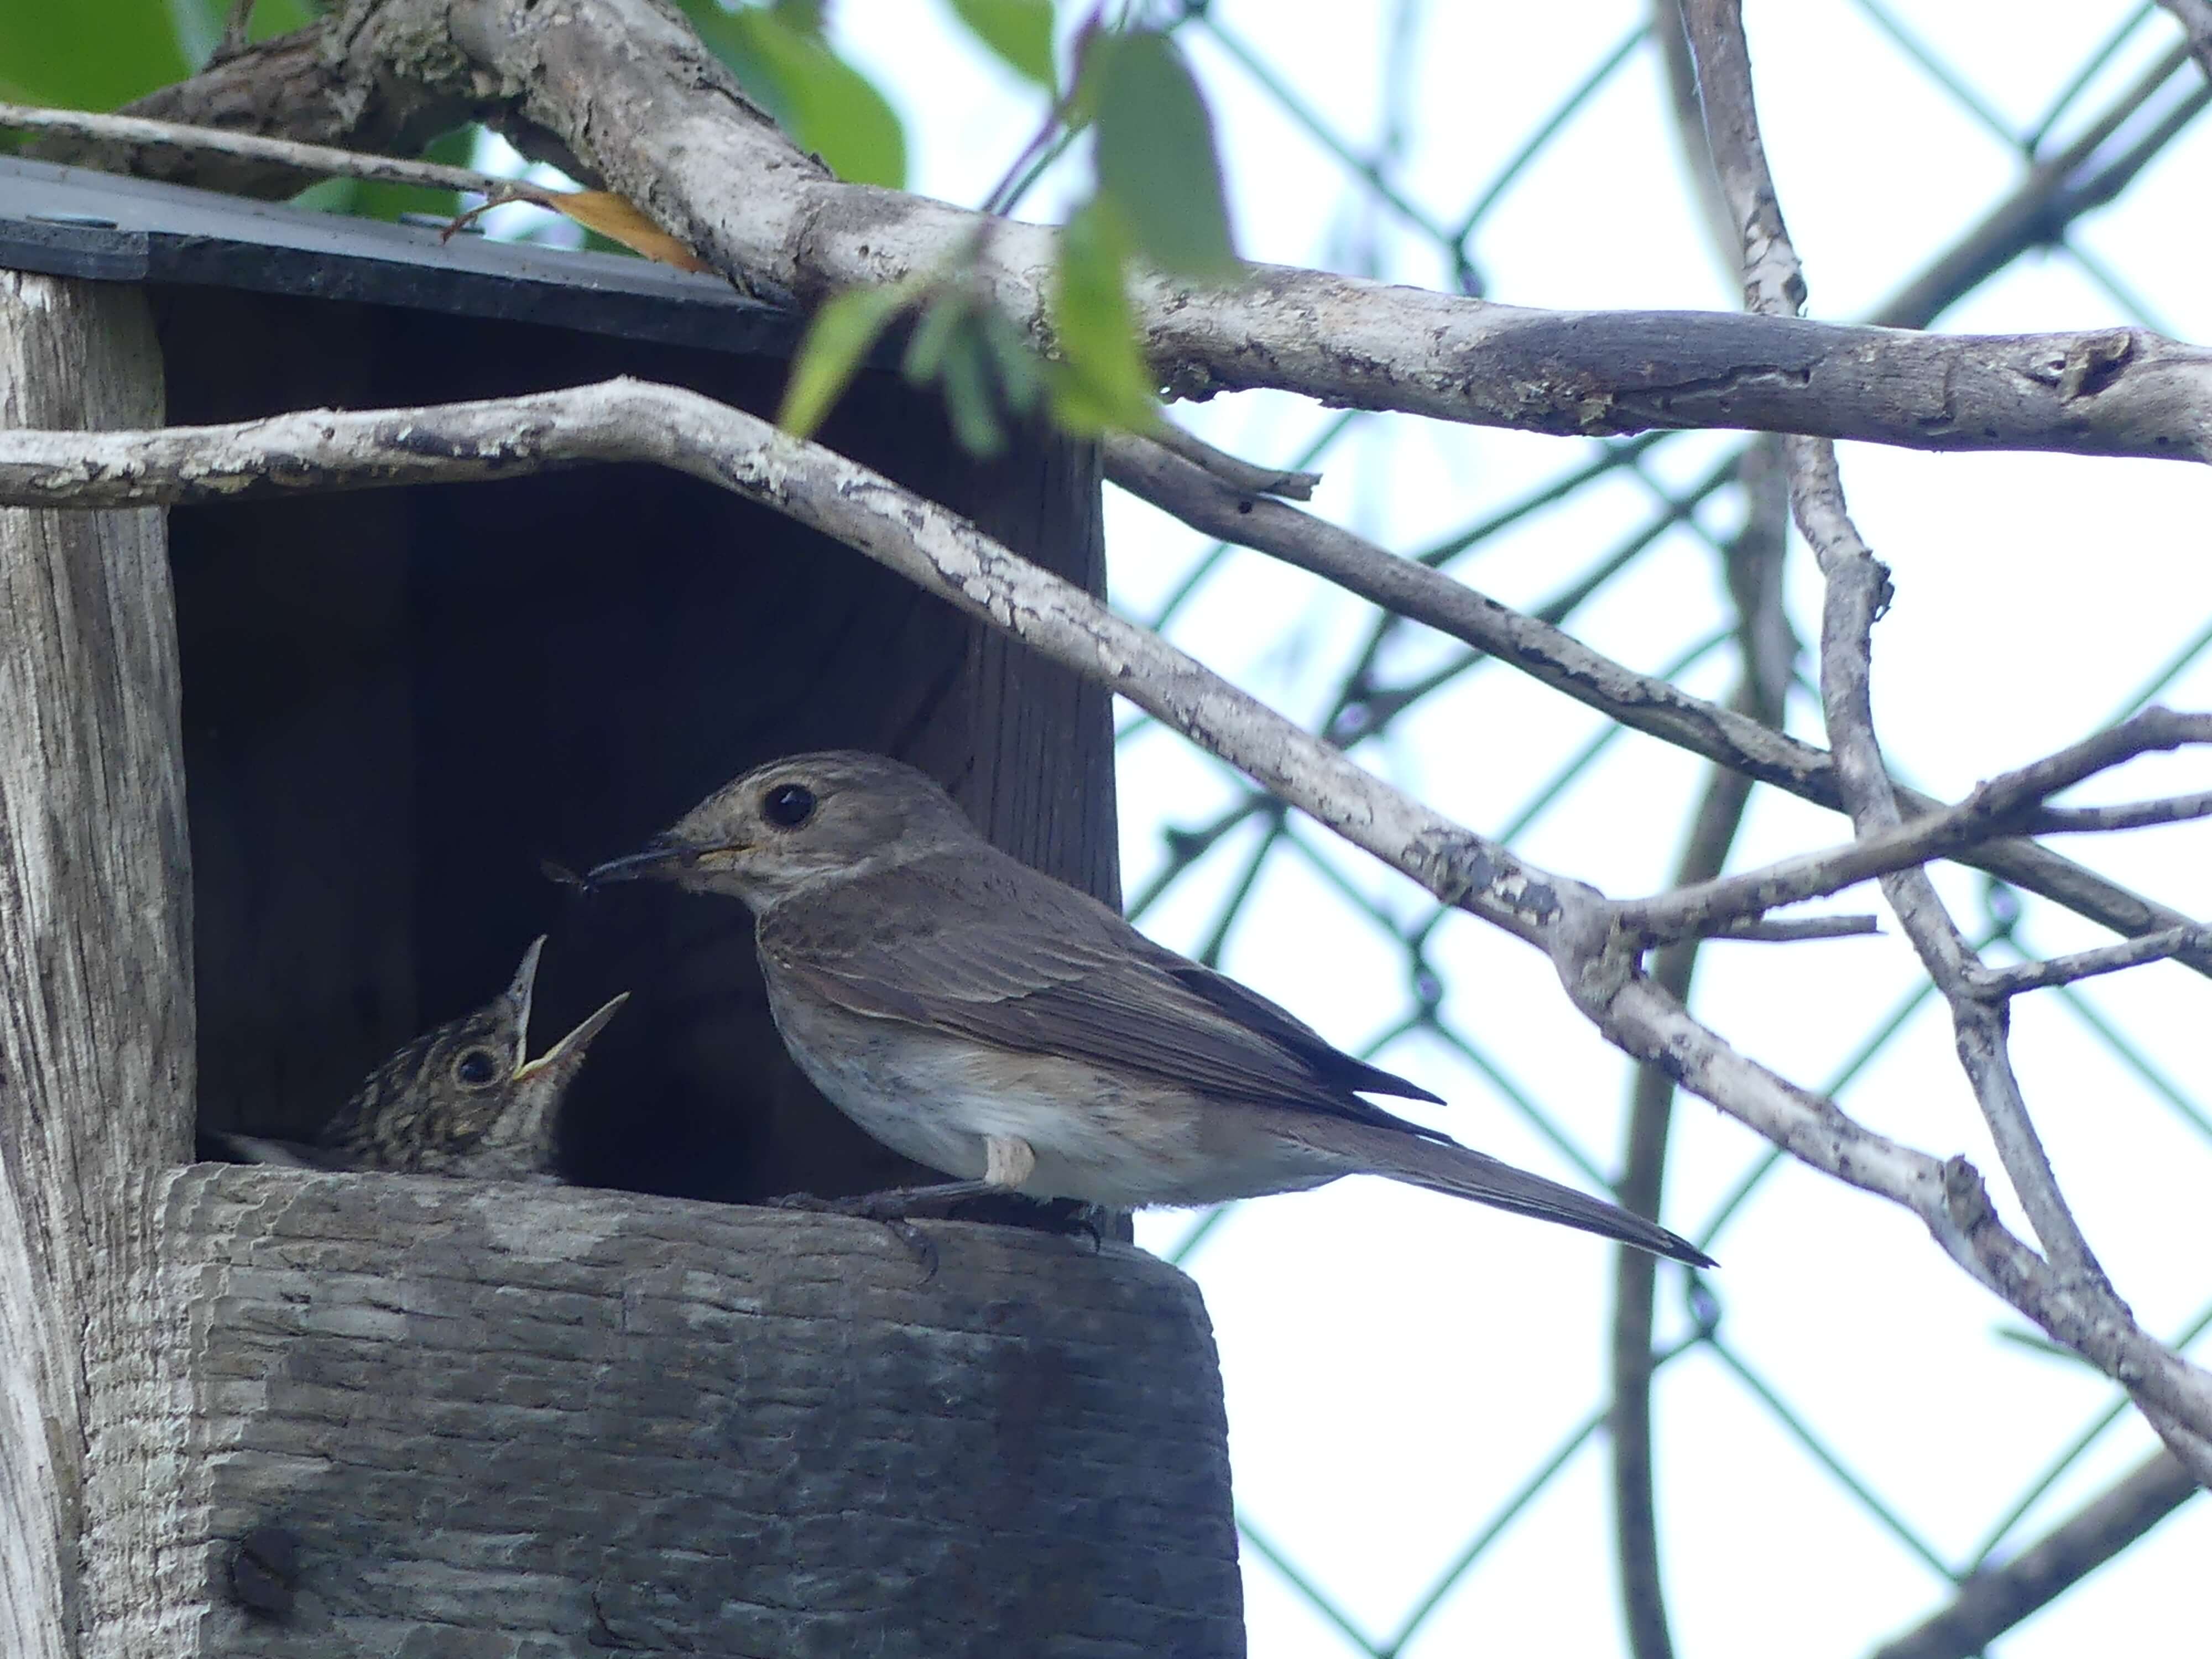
788 805
476 1067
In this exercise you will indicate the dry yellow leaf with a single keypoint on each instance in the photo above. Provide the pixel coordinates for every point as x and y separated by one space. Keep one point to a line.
620 219
615 217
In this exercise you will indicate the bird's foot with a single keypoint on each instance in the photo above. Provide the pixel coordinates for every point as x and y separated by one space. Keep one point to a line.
892 1204
894 1208
1092 1220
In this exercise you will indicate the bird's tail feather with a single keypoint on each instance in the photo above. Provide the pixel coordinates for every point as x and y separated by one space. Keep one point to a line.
1444 1166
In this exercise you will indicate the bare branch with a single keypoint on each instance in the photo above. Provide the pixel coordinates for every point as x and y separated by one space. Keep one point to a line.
629 88
1994 1600
1239 475
1558 659
2195 17
630 420
292 86
2083 964
2054 193
1999 806
2192 1450
235 26
1785 931
1857 591
1773 280
320 160
2125 815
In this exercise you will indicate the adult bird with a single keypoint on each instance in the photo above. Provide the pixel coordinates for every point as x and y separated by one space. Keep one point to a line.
1004 1027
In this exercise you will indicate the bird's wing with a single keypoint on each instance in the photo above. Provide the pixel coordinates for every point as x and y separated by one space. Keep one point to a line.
1008 956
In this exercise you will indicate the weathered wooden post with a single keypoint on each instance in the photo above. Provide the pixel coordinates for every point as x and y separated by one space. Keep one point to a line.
96 1053
248 1410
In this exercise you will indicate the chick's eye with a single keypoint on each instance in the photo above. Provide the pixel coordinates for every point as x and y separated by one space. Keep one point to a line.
788 806
476 1067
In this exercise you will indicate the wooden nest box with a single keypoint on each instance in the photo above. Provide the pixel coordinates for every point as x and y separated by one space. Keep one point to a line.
276 779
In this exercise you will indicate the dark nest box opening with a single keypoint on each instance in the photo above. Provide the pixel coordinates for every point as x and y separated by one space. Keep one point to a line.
397 703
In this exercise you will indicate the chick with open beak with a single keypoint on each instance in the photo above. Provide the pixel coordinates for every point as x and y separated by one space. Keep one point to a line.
464 1099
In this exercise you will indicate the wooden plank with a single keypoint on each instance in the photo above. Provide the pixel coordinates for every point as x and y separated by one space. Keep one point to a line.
480 1419
96 1053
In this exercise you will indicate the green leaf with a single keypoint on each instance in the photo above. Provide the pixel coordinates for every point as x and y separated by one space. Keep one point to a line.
836 340
1101 381
926 348
825 104
1158 162
1018 31
86 54
968 397
1021 376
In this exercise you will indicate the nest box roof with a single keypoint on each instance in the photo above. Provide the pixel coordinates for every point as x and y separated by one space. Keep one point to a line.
73 222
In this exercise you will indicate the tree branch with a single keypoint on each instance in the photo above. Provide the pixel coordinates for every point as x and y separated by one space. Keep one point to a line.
1240 476
2124 814
312 161
1791 930
1994 1600
1558 659
1857 591
2083 964
307 85
2195 17
2053 195
640 104
2000 806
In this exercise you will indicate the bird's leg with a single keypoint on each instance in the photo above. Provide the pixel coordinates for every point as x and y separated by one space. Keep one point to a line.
1007 1162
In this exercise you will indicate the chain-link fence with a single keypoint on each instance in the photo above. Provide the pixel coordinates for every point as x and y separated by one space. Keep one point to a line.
1855 1433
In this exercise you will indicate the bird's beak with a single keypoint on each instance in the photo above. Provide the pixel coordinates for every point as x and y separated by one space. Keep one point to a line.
517 993
568 1053
660 857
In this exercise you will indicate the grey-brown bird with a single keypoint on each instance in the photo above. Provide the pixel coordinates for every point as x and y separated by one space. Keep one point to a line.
999 1025
464 1099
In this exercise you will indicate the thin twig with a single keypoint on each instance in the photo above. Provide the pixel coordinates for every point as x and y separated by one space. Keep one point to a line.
2039 208
237 31
2002 805
1786 931
1238 475
2123 815
2083 964
284 152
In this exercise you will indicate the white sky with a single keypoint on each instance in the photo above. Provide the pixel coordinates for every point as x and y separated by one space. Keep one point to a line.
1397 1363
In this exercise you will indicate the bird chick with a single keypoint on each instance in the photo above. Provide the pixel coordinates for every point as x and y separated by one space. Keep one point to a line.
464 1099
999 1025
